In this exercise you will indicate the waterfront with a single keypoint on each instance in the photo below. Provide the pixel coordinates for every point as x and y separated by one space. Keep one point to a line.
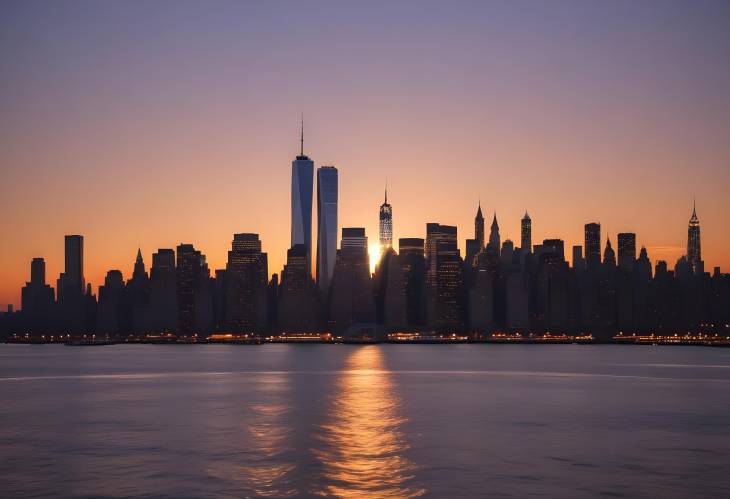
283 420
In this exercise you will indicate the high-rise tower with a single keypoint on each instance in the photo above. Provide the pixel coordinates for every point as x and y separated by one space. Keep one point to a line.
71 282
694 250
627 251
302 172
326 225
494 240
386 224
593 245
479 229
526 233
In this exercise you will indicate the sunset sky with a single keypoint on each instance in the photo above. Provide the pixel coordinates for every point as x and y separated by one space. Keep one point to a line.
156 123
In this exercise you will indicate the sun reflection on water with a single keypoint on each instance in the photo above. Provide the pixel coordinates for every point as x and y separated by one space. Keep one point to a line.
362 444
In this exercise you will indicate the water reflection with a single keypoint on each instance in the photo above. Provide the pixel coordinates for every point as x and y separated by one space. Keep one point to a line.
269 467
362 444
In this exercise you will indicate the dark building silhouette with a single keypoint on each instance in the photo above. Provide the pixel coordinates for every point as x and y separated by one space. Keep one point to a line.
579 264
137 296
37 298
162 313
298 306
71 286
626 251
479 229
694 248
593 245
526 233
192 280
352 298
245 288
444 277
327 181
494 240
110 311
414 274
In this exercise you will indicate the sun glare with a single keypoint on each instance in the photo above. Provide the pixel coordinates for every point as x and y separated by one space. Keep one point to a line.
374 251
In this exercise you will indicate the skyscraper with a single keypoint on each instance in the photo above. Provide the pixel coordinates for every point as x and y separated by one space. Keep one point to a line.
443 276
327 181
609 256
246 278
494 240
694 249
386 225
37 296
479 229
593 245
526 234
302 172
71 282
626 251
352 292
191 273
435 234
162 313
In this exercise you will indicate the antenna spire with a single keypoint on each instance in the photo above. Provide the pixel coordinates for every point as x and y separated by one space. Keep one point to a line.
301 139
386 190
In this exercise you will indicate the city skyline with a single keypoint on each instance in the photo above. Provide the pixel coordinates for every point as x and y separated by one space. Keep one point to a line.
112 133
298 230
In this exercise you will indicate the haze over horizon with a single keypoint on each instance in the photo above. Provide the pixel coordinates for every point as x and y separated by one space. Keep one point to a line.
154 124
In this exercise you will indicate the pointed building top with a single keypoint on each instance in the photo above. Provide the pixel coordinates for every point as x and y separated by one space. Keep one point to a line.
139 254
479 211
494 220
301 139
527 216
694 218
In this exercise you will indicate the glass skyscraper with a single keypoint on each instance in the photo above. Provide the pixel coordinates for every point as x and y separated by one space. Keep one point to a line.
302 173
386 224
326 225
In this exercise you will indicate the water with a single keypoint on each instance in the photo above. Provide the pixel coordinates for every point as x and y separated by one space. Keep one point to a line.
364 421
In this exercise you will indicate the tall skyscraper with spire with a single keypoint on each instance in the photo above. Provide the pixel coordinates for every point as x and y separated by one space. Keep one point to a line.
479 228
494 239
386 224
694 249
526 242
302 173
326 225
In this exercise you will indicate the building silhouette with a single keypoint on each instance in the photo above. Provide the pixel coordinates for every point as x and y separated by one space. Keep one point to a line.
37 298
444 278
479 228
593 245
626 251
327 192
298 309
352 298
71 286
494 240
694 248
526 233
162 313
302 171
245 285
